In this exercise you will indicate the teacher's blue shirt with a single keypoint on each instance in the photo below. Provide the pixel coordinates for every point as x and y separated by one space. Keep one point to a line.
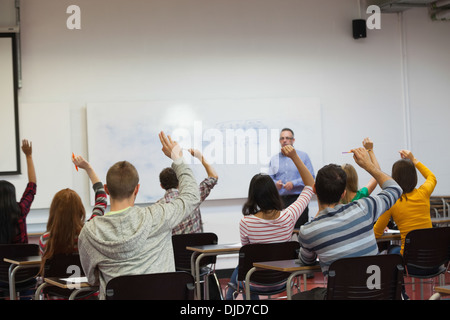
283 168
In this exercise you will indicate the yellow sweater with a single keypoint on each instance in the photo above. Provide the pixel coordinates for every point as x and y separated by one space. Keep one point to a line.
411 211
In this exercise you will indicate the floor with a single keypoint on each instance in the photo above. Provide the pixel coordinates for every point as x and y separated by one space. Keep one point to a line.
413 291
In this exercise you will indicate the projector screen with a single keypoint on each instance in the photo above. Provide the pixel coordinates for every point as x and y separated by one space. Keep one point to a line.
9 130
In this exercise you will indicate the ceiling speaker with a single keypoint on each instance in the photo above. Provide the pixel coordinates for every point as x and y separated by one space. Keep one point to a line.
359 28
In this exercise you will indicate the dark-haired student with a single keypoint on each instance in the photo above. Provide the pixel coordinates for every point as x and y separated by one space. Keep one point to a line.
169 182
265 220
343 230
412 210
13 214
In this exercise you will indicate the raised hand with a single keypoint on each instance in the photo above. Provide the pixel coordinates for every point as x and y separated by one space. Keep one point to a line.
80 162
196 153
289 151
27 147
362 158
368 144
170 148
406 154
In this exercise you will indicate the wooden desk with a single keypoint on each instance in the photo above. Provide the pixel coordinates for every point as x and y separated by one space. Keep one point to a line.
198 252
77 287
440 221
440 291
390 236
18 263
291 266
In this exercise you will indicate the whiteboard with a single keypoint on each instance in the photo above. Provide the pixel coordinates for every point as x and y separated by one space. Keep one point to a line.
238 137
9 138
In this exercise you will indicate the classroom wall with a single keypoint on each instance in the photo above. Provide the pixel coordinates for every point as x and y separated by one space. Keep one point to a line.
390 86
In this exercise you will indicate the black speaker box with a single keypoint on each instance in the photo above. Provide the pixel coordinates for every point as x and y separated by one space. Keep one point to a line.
359 28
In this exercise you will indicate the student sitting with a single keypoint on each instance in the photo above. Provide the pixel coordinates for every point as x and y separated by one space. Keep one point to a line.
265 220
67 216
412 210
343 230
13 214
130 239
169 182
353 193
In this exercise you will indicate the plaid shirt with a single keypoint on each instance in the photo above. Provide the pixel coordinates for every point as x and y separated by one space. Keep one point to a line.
193 222
25 205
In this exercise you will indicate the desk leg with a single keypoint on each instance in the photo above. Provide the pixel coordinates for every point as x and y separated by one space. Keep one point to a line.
12 281
75 292
12 278
305 280
195 270
247 283
289 283
39 290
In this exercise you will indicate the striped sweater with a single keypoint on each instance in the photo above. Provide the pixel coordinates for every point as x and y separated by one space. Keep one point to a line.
257 230
345 230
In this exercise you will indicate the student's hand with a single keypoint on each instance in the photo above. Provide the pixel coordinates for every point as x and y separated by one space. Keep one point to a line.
289 151
368 144
195 153
406 154
362 158
170 148
27 147
80 162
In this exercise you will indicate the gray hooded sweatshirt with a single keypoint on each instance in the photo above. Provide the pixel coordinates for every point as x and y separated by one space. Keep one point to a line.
137 240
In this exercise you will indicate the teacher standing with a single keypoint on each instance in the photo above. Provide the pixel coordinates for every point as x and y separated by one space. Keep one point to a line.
286 176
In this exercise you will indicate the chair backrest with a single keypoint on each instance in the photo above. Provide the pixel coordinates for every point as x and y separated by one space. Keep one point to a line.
16 251
366 278
156 286
259 252
183 256
64 266
427 248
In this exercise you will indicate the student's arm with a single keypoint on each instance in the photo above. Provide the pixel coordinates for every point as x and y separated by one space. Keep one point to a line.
368 145
27 149
362 159
243 232
189 197
307 256
391 192
306 175
428 186
88 263
30 191
80 162
210 171
100 194
382 223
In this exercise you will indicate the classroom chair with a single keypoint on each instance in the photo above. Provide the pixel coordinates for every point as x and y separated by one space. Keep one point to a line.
377 277
183 259
426 253
25 278
264 282
177 285
63 266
